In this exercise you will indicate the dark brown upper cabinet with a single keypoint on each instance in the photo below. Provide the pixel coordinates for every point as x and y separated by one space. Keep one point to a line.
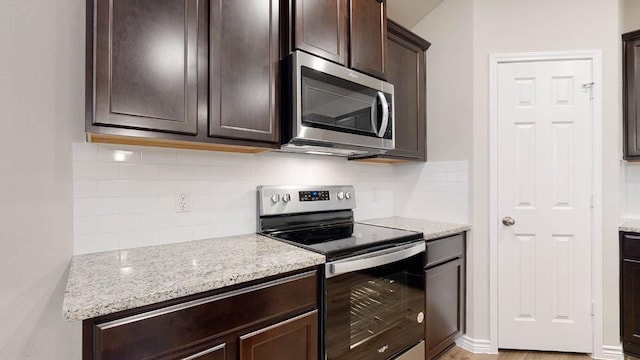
321 28
406 70
245 70
368 20
147 73
350 33
631 98
184 73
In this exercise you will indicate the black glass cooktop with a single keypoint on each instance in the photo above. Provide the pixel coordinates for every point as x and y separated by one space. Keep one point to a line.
338 241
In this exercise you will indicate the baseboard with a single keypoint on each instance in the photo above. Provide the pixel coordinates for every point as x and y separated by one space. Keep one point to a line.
475 346
610 352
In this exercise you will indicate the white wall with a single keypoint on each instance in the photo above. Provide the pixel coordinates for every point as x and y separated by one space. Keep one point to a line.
631 15
507 26
41 107
449 28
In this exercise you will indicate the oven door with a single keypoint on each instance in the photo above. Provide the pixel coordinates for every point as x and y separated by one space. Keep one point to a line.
375 303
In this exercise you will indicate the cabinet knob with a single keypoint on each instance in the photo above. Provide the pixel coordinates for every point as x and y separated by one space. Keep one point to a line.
420 317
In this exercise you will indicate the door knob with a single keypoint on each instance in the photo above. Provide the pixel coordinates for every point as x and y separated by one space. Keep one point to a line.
508 221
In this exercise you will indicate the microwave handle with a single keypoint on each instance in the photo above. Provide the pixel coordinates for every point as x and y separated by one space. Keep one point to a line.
385 114
375 259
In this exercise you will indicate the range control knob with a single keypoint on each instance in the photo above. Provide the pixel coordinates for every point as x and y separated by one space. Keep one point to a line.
340 195
286 197
348 195
275 198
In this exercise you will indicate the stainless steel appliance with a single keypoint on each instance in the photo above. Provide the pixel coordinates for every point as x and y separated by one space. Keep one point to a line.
373 292
335 110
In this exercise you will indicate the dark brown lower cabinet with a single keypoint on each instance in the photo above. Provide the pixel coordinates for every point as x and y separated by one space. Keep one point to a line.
275 319
291 339
445 294
630 293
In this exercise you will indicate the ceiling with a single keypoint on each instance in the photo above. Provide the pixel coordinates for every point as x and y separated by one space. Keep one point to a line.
409 12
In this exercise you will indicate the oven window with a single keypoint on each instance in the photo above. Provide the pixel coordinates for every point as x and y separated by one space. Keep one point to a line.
373 314
335 104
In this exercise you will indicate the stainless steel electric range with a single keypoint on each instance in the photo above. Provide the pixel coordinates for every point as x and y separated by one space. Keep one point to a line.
372 303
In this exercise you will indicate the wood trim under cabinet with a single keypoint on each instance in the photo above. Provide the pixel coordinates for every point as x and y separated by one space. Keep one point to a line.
173 144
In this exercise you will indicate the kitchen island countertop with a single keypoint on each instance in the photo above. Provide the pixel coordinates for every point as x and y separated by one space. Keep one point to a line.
108 282
429 228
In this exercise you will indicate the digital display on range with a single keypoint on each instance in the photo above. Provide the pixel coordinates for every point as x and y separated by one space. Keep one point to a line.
313 195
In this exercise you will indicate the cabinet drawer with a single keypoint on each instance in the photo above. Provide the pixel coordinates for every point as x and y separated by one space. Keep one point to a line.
158 331
630 246
441 250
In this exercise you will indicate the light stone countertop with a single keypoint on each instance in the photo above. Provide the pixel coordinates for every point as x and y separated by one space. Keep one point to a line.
108 282
630 225
431 229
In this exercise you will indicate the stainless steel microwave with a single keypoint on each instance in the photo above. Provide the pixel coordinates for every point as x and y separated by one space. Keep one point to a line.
330 109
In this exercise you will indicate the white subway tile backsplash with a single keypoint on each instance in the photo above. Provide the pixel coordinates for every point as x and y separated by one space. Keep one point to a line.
156 220
95 207
139 238
118 223
85 225
138 172
95 171
85 189
126 196
118 188
137 205
109 153
85 152
90 243
158 156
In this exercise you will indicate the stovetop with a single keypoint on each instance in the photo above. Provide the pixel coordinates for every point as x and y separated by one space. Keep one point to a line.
343 240
320 218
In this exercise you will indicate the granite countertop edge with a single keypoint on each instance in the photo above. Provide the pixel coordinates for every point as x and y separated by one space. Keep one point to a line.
98 284
630 225
431 229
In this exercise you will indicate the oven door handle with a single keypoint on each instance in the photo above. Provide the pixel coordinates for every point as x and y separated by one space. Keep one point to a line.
375 259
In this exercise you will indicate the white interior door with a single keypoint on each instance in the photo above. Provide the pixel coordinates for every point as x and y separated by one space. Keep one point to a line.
544 185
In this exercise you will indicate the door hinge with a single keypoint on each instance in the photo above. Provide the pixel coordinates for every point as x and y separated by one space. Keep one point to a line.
593 201
593 308
588 87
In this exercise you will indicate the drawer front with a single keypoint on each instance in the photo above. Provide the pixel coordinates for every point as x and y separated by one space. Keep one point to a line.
630 246
441 250
155 332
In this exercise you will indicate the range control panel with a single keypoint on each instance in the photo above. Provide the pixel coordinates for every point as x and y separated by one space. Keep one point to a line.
279 200
322 195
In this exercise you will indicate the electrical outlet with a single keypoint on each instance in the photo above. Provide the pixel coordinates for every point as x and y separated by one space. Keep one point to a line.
183 202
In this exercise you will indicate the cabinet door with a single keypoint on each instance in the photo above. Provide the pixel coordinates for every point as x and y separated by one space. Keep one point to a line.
406 71
147 72
631 107
244 60
320 28
445 306
368 20
630 306
293 339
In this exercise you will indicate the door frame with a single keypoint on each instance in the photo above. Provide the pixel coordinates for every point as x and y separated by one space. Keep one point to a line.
595 56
